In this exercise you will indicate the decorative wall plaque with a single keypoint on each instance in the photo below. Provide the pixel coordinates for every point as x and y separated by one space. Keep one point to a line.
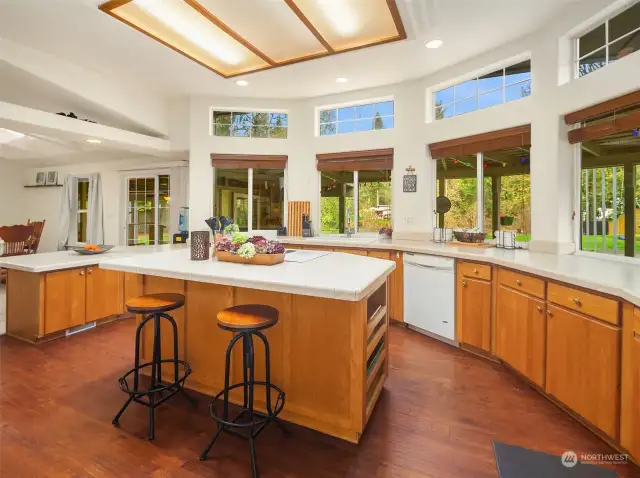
409 181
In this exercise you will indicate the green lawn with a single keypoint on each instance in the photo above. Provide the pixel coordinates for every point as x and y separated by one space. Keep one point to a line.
588 243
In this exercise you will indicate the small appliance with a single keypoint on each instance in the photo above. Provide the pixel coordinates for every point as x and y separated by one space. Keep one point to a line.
307 231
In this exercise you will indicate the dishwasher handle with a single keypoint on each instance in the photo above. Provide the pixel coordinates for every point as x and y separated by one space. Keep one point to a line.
433 268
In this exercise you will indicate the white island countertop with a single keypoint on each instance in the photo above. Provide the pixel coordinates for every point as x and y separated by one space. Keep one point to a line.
333 276
61 260
605 275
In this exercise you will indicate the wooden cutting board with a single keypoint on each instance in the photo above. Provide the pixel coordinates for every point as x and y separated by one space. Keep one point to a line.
476 245
296 210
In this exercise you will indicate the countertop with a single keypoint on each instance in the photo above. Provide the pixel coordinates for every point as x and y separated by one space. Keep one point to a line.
334 276
56 261
608 276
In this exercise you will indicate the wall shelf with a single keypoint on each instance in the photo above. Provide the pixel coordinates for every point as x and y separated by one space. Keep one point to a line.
43 186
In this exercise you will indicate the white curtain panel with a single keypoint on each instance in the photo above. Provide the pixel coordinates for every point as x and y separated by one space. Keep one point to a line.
66 205
95 219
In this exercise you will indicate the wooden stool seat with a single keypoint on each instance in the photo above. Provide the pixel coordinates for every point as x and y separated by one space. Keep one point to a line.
151 303
246 317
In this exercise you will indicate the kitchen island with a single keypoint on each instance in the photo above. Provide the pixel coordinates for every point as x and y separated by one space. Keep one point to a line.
329 350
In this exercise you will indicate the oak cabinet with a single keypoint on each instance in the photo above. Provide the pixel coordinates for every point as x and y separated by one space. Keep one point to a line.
65 300
583 366
520 333
104 293
473 312
630 400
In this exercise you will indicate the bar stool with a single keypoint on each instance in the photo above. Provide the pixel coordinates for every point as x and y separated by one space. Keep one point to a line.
154 307
246 321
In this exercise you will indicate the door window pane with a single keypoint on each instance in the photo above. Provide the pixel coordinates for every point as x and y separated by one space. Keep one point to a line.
141 228
82 227
374 200
268 199
336 201
232 195
164 208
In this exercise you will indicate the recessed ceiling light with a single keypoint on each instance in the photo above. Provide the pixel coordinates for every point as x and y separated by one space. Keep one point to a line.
342 79
242 82
94 141
432 44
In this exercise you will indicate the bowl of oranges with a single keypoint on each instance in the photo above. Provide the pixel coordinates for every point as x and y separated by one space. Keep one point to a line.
89 249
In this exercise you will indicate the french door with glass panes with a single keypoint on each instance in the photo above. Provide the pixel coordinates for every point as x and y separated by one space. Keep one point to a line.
148 210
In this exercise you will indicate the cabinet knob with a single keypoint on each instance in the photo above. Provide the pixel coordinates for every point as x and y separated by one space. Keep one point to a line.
576 301
82 272
539 308
464 283
475 271
549 313
518 282
90 270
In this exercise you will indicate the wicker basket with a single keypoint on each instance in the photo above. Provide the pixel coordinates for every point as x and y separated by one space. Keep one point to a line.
474 237
258 259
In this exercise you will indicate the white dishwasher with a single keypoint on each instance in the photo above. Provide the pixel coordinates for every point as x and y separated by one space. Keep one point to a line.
429 295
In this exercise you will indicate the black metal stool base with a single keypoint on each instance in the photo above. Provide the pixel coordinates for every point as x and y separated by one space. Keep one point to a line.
256 421
158 391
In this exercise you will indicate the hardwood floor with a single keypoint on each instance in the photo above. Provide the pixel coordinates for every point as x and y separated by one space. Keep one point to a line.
437 418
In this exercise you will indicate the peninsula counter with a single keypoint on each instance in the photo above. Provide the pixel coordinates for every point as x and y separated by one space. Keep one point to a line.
328 351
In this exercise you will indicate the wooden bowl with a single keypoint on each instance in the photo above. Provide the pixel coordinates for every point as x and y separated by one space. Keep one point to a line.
473 237
258 259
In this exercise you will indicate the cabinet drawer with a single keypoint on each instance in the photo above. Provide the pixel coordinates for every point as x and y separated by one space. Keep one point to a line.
357 252
380 254
636 320
474 271
523 283
594 305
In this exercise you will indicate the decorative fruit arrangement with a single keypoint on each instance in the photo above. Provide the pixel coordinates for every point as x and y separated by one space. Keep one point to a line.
92 248
247 247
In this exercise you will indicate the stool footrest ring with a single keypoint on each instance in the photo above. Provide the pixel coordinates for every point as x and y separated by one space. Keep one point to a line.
158 387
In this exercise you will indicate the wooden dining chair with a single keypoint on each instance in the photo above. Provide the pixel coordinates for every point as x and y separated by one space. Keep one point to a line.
38 227
16 243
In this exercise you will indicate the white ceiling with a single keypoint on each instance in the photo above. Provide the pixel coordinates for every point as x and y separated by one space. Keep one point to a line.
75 30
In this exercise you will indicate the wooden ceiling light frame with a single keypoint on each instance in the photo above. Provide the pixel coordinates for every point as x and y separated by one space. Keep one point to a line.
112 5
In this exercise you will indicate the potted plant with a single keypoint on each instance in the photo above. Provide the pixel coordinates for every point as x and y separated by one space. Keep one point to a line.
241 248
506 220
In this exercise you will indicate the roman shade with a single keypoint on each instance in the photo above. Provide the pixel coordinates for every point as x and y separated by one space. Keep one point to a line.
519 136
246 161
609 117
367 160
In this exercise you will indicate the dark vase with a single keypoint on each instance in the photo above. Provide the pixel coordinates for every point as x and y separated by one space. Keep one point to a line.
200 243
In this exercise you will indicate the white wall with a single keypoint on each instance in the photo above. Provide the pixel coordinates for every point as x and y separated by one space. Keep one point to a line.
12 194
552 163
44 203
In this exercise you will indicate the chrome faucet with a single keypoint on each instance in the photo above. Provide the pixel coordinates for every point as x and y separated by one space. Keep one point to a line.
348 232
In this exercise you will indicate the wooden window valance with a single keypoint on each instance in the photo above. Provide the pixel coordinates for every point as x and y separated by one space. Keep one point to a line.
368 160
613 116
246 161
501 139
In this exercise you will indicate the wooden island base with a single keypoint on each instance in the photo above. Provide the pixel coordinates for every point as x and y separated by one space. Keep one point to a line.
329 356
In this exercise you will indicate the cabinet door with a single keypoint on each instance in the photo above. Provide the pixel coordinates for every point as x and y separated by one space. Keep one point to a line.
630 413
64 301
583 366
473 312
521 332
396 287
104 293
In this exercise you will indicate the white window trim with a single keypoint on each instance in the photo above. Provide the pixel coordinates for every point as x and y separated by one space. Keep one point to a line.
285 214
347 104
594 25
356 194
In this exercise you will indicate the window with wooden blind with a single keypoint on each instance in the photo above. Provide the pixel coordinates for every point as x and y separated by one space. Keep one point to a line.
355 191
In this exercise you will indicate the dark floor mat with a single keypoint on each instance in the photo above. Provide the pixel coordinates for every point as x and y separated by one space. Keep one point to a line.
516 462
